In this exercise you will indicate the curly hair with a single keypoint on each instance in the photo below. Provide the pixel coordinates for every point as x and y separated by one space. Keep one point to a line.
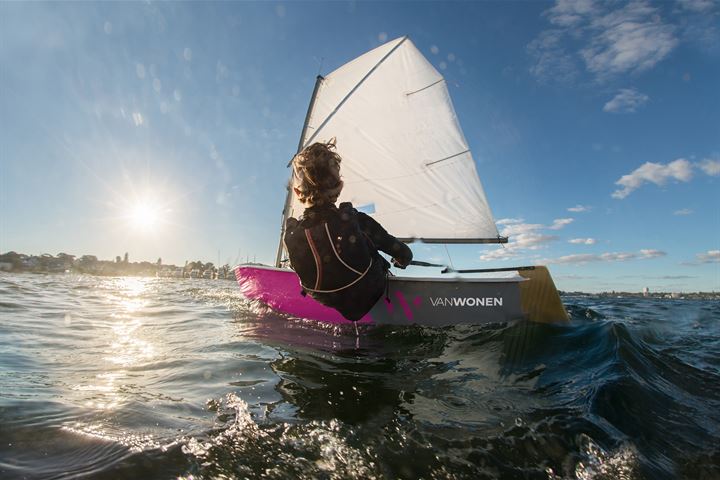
316 174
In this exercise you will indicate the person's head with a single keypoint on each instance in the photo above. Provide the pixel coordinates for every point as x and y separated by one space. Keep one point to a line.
316 174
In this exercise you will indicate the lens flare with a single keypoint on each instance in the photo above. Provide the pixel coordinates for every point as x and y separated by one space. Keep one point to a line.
144 216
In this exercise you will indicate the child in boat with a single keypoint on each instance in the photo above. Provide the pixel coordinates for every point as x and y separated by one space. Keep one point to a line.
334 249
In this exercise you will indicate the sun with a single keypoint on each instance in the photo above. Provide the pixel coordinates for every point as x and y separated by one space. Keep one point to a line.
144 216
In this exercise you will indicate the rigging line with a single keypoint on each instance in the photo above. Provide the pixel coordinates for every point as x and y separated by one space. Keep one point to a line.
424 88
449 257
446 158
354 89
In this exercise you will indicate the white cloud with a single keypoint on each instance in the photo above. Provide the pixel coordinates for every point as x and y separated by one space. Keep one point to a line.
508 221
631 39
656 173
551 60
518 228
559 223
578 208
609 40
626 101
567 13
522 237
698 6
582 241
711 256
137 119
710 167
518 245
683 211
606 257
651 253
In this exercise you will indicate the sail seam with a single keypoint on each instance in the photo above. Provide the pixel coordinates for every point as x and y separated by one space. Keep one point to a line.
353 90
425 88
446 158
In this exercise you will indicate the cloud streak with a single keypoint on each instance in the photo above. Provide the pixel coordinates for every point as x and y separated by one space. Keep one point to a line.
631 39
711 256
578 209
627 100
582 241
657 173
523 237
605 39
680 170
583 258
710 167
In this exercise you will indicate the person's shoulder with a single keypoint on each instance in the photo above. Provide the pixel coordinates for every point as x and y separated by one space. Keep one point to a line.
347 211
292 222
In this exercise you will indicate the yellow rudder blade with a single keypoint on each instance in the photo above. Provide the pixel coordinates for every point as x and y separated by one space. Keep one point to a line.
539 298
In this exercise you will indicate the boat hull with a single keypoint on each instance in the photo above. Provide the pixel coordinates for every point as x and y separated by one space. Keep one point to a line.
423 301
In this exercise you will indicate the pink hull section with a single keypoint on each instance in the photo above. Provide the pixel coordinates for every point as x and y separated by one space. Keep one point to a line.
422 301
280 290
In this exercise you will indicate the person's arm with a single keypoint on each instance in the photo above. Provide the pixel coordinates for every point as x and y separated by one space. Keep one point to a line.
401 253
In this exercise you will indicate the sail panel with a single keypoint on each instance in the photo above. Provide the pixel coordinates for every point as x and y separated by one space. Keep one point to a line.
405 161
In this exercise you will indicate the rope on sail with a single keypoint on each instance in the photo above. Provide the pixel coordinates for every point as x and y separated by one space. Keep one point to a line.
354 89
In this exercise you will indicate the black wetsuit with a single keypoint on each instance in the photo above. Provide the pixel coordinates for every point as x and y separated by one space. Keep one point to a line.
334 251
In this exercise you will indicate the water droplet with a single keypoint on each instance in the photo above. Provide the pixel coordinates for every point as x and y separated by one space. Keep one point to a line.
434 49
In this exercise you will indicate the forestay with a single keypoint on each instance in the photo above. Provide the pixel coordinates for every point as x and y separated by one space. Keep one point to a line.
405 158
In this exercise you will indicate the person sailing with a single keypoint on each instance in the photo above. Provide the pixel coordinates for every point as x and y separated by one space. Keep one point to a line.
334 249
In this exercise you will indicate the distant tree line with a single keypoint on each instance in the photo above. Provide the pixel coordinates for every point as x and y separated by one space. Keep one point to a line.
63 262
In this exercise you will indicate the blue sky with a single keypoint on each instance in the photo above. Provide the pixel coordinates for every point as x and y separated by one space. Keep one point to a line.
595 127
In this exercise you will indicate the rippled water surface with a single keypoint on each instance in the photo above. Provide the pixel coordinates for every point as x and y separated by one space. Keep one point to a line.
155 378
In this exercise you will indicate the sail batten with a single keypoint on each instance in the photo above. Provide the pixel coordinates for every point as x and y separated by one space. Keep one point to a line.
405 157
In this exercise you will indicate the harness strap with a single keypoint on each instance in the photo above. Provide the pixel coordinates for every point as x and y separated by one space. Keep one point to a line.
344 287
318 264
332 245
316 256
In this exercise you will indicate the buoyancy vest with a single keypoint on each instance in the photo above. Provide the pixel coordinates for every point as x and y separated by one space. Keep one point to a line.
336 262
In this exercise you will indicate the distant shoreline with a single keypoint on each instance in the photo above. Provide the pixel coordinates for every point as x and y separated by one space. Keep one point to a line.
121 266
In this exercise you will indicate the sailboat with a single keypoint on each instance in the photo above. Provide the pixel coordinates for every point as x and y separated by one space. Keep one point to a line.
406 163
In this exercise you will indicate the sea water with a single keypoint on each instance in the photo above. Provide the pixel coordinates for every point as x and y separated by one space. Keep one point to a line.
159 378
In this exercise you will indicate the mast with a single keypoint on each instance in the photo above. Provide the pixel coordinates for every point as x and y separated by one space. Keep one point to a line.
288 197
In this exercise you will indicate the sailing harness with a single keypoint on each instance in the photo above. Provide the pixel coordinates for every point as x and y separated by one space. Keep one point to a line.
319 265
337 259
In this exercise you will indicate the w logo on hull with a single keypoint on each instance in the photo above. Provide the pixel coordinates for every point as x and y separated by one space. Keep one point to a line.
404 304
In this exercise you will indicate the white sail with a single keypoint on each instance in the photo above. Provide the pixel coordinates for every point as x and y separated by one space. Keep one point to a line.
405 159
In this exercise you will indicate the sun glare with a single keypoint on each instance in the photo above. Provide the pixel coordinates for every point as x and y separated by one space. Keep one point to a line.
144 216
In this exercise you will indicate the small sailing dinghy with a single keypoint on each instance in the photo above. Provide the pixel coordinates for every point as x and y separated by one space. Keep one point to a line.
407 164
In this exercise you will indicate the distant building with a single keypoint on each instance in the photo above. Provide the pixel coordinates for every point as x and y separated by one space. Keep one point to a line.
646 292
